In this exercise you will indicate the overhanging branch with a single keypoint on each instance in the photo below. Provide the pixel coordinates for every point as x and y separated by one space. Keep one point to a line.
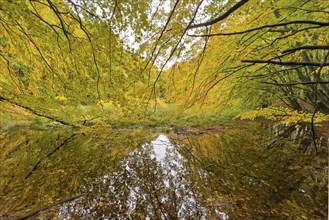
308 47
294 84
220 18
289 63
35 112
318 23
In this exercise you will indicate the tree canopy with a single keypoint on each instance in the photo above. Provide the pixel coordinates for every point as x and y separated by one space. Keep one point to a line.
75 61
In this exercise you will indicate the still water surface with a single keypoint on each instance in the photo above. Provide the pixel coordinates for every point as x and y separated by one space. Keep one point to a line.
250 172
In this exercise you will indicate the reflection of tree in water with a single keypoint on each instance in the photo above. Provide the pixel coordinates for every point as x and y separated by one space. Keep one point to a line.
261 176
153 183
242 174
42 168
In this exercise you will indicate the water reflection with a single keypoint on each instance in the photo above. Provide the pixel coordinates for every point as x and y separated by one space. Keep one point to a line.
154 182
261 176
249 172
40 168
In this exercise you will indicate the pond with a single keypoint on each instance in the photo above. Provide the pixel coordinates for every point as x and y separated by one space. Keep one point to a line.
250 171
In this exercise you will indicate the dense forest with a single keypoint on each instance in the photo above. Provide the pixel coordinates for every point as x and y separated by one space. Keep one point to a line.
118 63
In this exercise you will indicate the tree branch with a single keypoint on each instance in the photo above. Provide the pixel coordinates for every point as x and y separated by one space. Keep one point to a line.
320 24
220 18
35 112
289 63
308 47
300 83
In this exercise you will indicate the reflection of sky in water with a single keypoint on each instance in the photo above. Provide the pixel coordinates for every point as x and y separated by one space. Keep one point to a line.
160 147
153 183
